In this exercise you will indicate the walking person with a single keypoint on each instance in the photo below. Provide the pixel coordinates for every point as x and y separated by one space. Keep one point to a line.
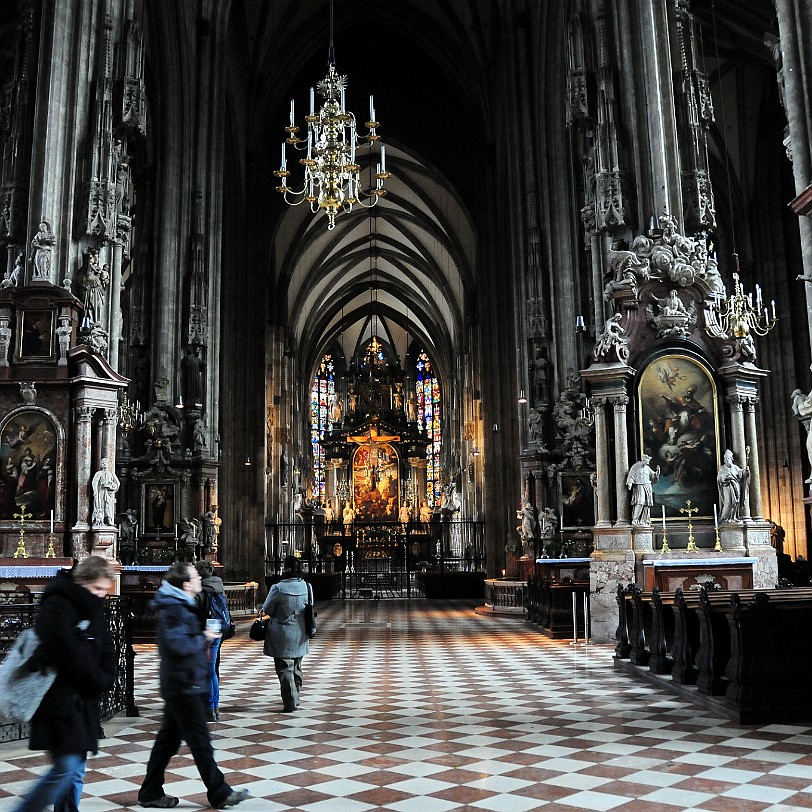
286 638
213 606
74 639
184 677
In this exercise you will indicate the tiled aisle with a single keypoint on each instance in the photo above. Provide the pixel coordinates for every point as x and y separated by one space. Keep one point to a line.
423 708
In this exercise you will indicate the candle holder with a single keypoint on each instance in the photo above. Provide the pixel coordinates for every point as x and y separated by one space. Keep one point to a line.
691 548
50 552
718 546
665 548
21 552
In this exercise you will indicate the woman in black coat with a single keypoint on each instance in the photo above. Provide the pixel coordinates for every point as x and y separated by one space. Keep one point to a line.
74 639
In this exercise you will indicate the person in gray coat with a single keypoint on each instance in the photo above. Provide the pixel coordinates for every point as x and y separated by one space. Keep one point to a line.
286 639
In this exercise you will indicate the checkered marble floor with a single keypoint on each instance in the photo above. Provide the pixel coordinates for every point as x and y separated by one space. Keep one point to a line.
423 707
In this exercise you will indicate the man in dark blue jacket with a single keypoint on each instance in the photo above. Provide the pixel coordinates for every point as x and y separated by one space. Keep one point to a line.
183 649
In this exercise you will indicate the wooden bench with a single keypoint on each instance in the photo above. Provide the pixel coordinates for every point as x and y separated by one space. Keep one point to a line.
751 647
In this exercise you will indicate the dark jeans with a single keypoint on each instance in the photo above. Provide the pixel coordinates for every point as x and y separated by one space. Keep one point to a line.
184 719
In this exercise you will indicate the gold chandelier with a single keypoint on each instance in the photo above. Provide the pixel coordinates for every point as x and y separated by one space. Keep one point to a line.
737 316
332 178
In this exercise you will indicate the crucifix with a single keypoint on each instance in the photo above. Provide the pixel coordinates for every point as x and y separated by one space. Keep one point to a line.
691 548
20 552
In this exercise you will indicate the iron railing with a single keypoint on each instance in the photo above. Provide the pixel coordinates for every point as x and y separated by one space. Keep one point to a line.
382 559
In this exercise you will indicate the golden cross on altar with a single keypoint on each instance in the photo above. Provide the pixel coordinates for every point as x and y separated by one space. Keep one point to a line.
20 552
690 511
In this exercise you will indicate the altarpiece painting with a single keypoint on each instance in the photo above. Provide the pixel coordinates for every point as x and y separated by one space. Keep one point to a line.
27 465
679 427
375 482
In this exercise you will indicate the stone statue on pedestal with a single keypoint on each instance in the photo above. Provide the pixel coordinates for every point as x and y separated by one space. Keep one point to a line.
639 481
105 484
732 482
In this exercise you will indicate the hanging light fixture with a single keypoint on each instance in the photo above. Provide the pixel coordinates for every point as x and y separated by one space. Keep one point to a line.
332 179
736 316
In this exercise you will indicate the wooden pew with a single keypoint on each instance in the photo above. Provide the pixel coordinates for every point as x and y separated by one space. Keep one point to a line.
753 647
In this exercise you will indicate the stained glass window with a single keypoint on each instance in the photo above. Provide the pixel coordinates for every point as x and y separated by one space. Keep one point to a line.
429 414
322 395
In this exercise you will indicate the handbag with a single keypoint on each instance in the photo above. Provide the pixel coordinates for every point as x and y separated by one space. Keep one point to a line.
258 629
228 631
23 681
309 614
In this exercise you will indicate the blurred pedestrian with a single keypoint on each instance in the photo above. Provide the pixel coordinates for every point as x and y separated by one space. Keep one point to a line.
74 639
184 676
213 606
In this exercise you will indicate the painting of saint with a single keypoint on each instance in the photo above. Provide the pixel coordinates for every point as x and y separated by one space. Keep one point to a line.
27 465
160 508
35 336
577 501
678 412
375 482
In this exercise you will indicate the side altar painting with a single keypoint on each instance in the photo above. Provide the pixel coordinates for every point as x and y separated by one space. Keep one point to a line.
679 427
27 465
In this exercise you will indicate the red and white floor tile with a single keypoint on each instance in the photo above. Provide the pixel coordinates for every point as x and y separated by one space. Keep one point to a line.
422 707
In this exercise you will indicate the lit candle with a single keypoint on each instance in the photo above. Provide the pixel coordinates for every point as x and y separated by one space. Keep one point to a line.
663 518
758 296
291 113
371 108
52 523
312 101
773 307
715 517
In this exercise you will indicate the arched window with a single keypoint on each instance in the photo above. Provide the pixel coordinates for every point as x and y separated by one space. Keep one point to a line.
322 394
429 413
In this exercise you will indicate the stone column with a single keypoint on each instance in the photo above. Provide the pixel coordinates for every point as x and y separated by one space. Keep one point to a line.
82 447
738 443
795 29
603 519
751 435
621 459
108 436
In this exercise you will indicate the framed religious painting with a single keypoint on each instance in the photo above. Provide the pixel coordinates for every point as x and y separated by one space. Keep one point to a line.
158 509
375 482
28 465
577 500
36 334
678 409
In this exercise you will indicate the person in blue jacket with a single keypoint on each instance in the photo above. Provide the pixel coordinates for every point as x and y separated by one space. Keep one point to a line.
184 676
